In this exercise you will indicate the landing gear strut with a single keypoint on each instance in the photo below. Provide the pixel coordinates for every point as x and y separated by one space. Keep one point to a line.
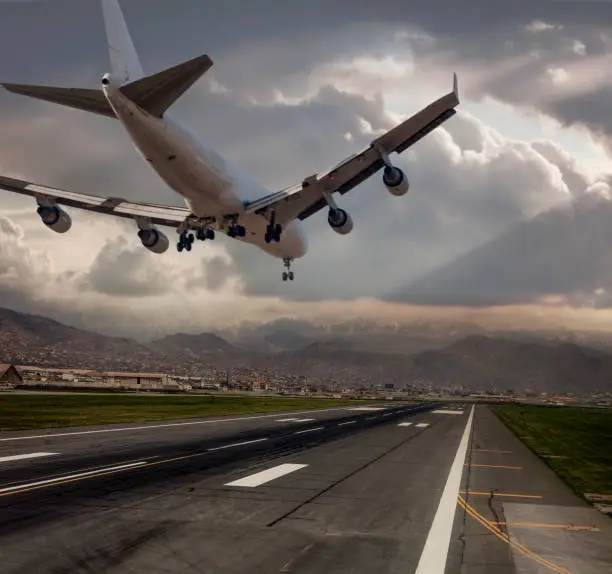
288 274
273 230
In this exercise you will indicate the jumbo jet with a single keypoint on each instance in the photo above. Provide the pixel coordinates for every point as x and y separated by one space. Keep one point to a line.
219 197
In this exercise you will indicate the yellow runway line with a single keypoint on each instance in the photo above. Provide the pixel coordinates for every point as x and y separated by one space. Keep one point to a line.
471 511
472 493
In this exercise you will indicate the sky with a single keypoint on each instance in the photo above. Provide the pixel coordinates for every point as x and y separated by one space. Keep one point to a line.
505 221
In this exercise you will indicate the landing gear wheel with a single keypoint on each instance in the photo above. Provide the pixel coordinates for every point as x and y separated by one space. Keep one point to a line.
185 242
210 234
287 274
236 231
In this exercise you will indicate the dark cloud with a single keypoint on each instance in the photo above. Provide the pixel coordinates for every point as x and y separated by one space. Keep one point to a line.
562 253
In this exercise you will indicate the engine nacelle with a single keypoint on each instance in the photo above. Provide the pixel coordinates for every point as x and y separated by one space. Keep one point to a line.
340 221
154 240
54 218
395 181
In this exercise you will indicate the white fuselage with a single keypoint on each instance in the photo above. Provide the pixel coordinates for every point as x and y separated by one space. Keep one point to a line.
210 185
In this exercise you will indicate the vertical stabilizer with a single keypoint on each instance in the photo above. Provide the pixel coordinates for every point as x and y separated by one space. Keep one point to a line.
125 66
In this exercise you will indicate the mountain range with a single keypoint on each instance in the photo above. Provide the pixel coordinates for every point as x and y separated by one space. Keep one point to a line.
440 353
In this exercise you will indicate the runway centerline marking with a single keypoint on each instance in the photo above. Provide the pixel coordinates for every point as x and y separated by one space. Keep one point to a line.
264 476
26 456
232 445
404 424
347 423
168 425
421 425
435 551
309 430
446 412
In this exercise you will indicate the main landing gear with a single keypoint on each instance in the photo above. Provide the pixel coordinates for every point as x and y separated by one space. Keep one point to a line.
288 274
235 230
273 230
186 239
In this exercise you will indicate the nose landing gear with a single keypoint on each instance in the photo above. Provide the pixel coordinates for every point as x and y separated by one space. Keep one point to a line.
288 274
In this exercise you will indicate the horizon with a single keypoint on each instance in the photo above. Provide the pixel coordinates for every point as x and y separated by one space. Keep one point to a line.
508 223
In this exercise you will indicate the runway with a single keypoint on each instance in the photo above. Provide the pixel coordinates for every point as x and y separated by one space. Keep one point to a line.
401 489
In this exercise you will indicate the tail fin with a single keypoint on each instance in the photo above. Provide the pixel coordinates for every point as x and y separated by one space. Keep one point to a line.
154 94
125 66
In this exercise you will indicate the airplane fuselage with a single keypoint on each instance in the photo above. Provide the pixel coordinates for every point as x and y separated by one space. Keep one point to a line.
209 183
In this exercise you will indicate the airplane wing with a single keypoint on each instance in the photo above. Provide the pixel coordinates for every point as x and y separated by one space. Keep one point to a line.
305 199
158 214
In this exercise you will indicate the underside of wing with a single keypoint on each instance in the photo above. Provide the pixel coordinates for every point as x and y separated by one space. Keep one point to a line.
155 214
303 200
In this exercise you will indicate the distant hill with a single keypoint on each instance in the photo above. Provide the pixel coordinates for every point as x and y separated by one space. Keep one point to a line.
33 339
479 362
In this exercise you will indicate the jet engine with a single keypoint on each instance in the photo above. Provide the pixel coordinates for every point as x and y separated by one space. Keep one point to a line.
395 181
154 240
54 218
340 221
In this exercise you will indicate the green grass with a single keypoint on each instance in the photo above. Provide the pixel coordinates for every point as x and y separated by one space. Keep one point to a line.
31 411
582 437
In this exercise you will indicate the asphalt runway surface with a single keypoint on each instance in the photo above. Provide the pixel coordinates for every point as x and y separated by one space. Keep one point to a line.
425 489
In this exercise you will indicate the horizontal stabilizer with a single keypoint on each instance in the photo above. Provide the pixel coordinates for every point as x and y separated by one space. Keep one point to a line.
158 92
82 99
154 94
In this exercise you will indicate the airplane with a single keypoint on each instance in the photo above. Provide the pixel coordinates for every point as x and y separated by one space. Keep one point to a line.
219 197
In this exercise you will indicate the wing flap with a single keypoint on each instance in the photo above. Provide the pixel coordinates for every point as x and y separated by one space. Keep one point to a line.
119 207
302 202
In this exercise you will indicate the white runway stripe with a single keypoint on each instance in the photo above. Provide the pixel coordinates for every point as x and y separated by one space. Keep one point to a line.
26 456
404 424
446 412
435 551
347 423
264 476
421 425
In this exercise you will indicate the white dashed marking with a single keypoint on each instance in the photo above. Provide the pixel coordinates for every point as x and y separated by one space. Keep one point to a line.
237 444
347 423
421 425
404 424
264 476
309 430
25 456
446 412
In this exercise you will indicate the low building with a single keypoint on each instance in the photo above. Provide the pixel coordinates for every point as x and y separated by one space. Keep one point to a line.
9 376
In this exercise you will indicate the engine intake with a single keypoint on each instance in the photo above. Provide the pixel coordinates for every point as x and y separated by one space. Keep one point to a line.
54 218
340 221
154 240
395 181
